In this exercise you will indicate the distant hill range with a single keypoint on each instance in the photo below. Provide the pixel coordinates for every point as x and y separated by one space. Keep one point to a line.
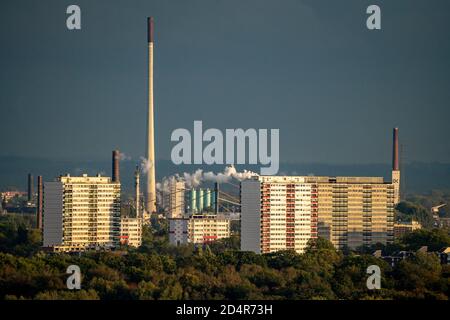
416 177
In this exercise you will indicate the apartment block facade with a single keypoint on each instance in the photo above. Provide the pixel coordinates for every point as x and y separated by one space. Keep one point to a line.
286 212
81 213
199 229
178 231
131 231
208 228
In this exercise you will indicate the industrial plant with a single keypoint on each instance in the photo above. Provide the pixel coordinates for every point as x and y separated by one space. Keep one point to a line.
198 220
78 213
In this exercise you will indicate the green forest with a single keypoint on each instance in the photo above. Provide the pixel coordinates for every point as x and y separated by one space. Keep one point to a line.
219 271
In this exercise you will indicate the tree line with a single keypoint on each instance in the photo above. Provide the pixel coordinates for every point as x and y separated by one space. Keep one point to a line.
158 270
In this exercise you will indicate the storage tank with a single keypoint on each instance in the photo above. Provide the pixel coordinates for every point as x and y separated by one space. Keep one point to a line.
207 200
213 199
200 200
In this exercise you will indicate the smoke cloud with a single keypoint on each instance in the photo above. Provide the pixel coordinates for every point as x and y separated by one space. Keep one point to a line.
124 157
145 165
193 180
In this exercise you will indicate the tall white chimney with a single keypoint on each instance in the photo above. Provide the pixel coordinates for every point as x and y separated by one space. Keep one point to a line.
151 184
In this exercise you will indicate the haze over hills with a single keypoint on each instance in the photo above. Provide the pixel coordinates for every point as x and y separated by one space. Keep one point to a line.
416 177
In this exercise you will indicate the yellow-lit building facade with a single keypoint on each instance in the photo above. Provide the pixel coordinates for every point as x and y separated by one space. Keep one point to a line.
81 213
286 212
355 211
204 229
131 231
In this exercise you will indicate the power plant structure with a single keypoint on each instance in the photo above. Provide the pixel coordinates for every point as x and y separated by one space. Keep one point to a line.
175 199
130 226
202 200
200 222
151 183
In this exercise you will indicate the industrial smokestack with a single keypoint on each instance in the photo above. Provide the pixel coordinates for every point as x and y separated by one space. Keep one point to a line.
150 29
40 202
137 195
200 202
395 167
395 159
151 184
115 166
30 187
216 200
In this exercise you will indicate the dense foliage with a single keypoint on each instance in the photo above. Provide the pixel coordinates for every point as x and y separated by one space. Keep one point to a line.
418 207
432 198
160 271
407 211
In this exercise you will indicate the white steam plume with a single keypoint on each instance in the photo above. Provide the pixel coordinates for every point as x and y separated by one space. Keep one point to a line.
192 180
145 165
124 157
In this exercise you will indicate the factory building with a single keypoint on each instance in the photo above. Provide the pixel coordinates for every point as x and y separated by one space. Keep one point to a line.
201 224
131 231
81 213
9 195
130 227
175 199
285 212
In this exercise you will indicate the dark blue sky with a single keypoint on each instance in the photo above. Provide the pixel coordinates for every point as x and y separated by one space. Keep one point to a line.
309 68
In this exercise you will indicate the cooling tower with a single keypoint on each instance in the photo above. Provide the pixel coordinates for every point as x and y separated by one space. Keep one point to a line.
193 199
207 201
200 200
